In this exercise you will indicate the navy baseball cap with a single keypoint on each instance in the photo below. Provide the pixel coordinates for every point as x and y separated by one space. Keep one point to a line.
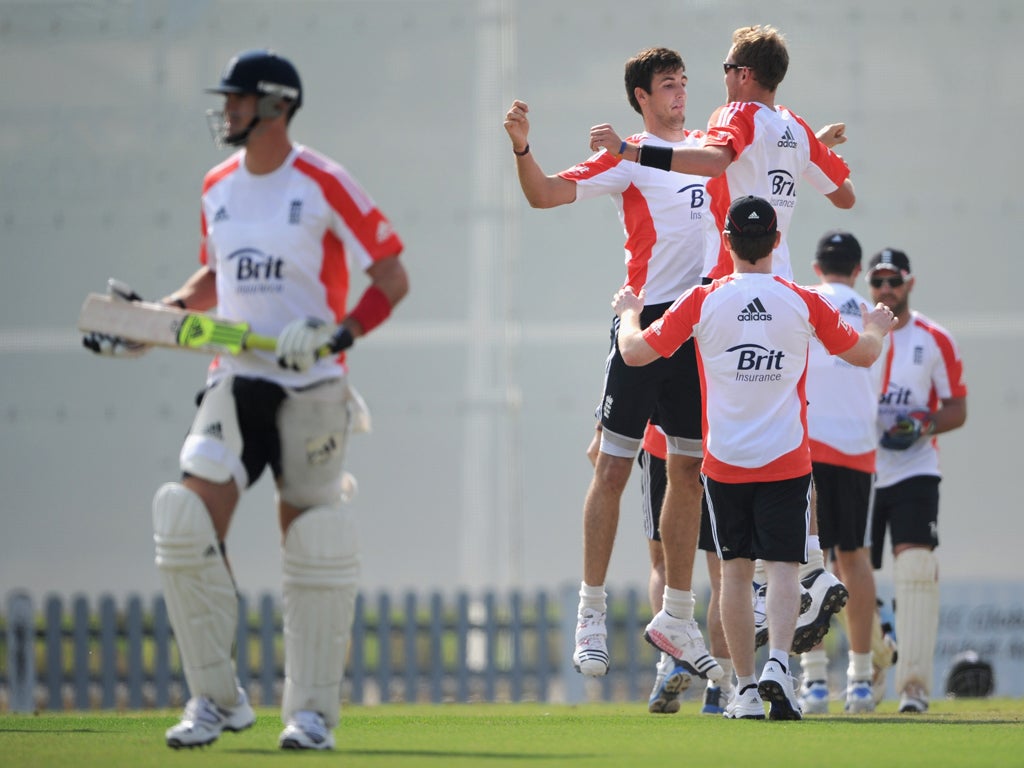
891 259
751 216
838 247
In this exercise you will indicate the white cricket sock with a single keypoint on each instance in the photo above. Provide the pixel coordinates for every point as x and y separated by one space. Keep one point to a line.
679 603
594 598
815 665
860 667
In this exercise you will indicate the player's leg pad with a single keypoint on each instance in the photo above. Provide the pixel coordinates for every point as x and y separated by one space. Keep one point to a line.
321 569
200 594
916 587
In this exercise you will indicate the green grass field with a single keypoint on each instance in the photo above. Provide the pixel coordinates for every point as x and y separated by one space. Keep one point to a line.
960 733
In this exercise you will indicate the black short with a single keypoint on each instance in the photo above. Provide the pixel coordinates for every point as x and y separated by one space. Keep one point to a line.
669 386
910 511
761 520
653 482
844 502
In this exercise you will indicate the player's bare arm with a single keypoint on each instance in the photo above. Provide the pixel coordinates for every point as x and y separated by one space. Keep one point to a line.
877 323
632 346
699 161
540 189
199 292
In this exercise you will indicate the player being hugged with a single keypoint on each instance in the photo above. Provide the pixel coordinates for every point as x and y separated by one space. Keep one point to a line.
280 224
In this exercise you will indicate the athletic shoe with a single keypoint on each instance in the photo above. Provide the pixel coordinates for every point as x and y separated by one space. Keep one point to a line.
715 701
306 730
814 697
681 639
761 612
747 705
913 699
591 655
203 721
671 681
776 687
859 697
828 596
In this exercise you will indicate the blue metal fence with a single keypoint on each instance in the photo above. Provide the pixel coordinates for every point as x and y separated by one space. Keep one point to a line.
80 653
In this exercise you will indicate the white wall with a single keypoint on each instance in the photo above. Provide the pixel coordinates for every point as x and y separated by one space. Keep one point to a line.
475 473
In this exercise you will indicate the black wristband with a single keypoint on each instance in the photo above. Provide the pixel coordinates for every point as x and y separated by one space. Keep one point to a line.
526 151
342 339
655 157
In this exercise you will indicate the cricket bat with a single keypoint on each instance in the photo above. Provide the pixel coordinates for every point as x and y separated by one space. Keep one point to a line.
164 326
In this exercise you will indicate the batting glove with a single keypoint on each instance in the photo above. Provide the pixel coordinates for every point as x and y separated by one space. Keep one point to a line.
907 430
300 341
115 346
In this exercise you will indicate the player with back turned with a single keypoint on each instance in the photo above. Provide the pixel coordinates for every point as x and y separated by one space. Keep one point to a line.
757 459
280 224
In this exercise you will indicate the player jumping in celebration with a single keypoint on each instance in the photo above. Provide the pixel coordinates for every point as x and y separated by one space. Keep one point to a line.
279 224
667 223
757 459
926 396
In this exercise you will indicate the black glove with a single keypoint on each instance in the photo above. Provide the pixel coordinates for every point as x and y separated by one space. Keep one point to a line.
115 346
907 430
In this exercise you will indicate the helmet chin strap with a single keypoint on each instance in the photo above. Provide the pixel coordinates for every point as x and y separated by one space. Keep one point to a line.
240 138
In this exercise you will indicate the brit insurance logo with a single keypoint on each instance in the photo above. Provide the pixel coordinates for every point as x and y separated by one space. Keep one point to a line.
256 271
783 187
757 363
698 198
753 311
787 141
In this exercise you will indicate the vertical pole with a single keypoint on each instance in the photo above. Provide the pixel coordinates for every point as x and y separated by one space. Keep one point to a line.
21 656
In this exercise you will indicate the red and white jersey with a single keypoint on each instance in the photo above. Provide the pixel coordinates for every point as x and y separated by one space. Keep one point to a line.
842 399
655 442
772 149
924 369
280 244
665 216
751 333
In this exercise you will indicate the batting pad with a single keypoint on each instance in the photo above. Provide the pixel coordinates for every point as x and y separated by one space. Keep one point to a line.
202 602
320 567
915 578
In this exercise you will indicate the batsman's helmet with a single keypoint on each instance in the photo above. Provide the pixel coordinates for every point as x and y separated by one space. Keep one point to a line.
263 73
970 677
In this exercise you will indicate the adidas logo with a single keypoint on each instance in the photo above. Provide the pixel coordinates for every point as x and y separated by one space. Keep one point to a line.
787 140
221 214
753 311
215 430
851 307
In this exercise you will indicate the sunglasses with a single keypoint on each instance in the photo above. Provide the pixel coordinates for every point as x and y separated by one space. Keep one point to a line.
726 66
893 282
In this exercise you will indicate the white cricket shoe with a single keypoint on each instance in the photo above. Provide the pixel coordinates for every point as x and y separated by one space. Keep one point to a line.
913 699
776 687
681 639
306 730
745 705
203 721
672 679
591 654
859 697
828 596
761 612
814 697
